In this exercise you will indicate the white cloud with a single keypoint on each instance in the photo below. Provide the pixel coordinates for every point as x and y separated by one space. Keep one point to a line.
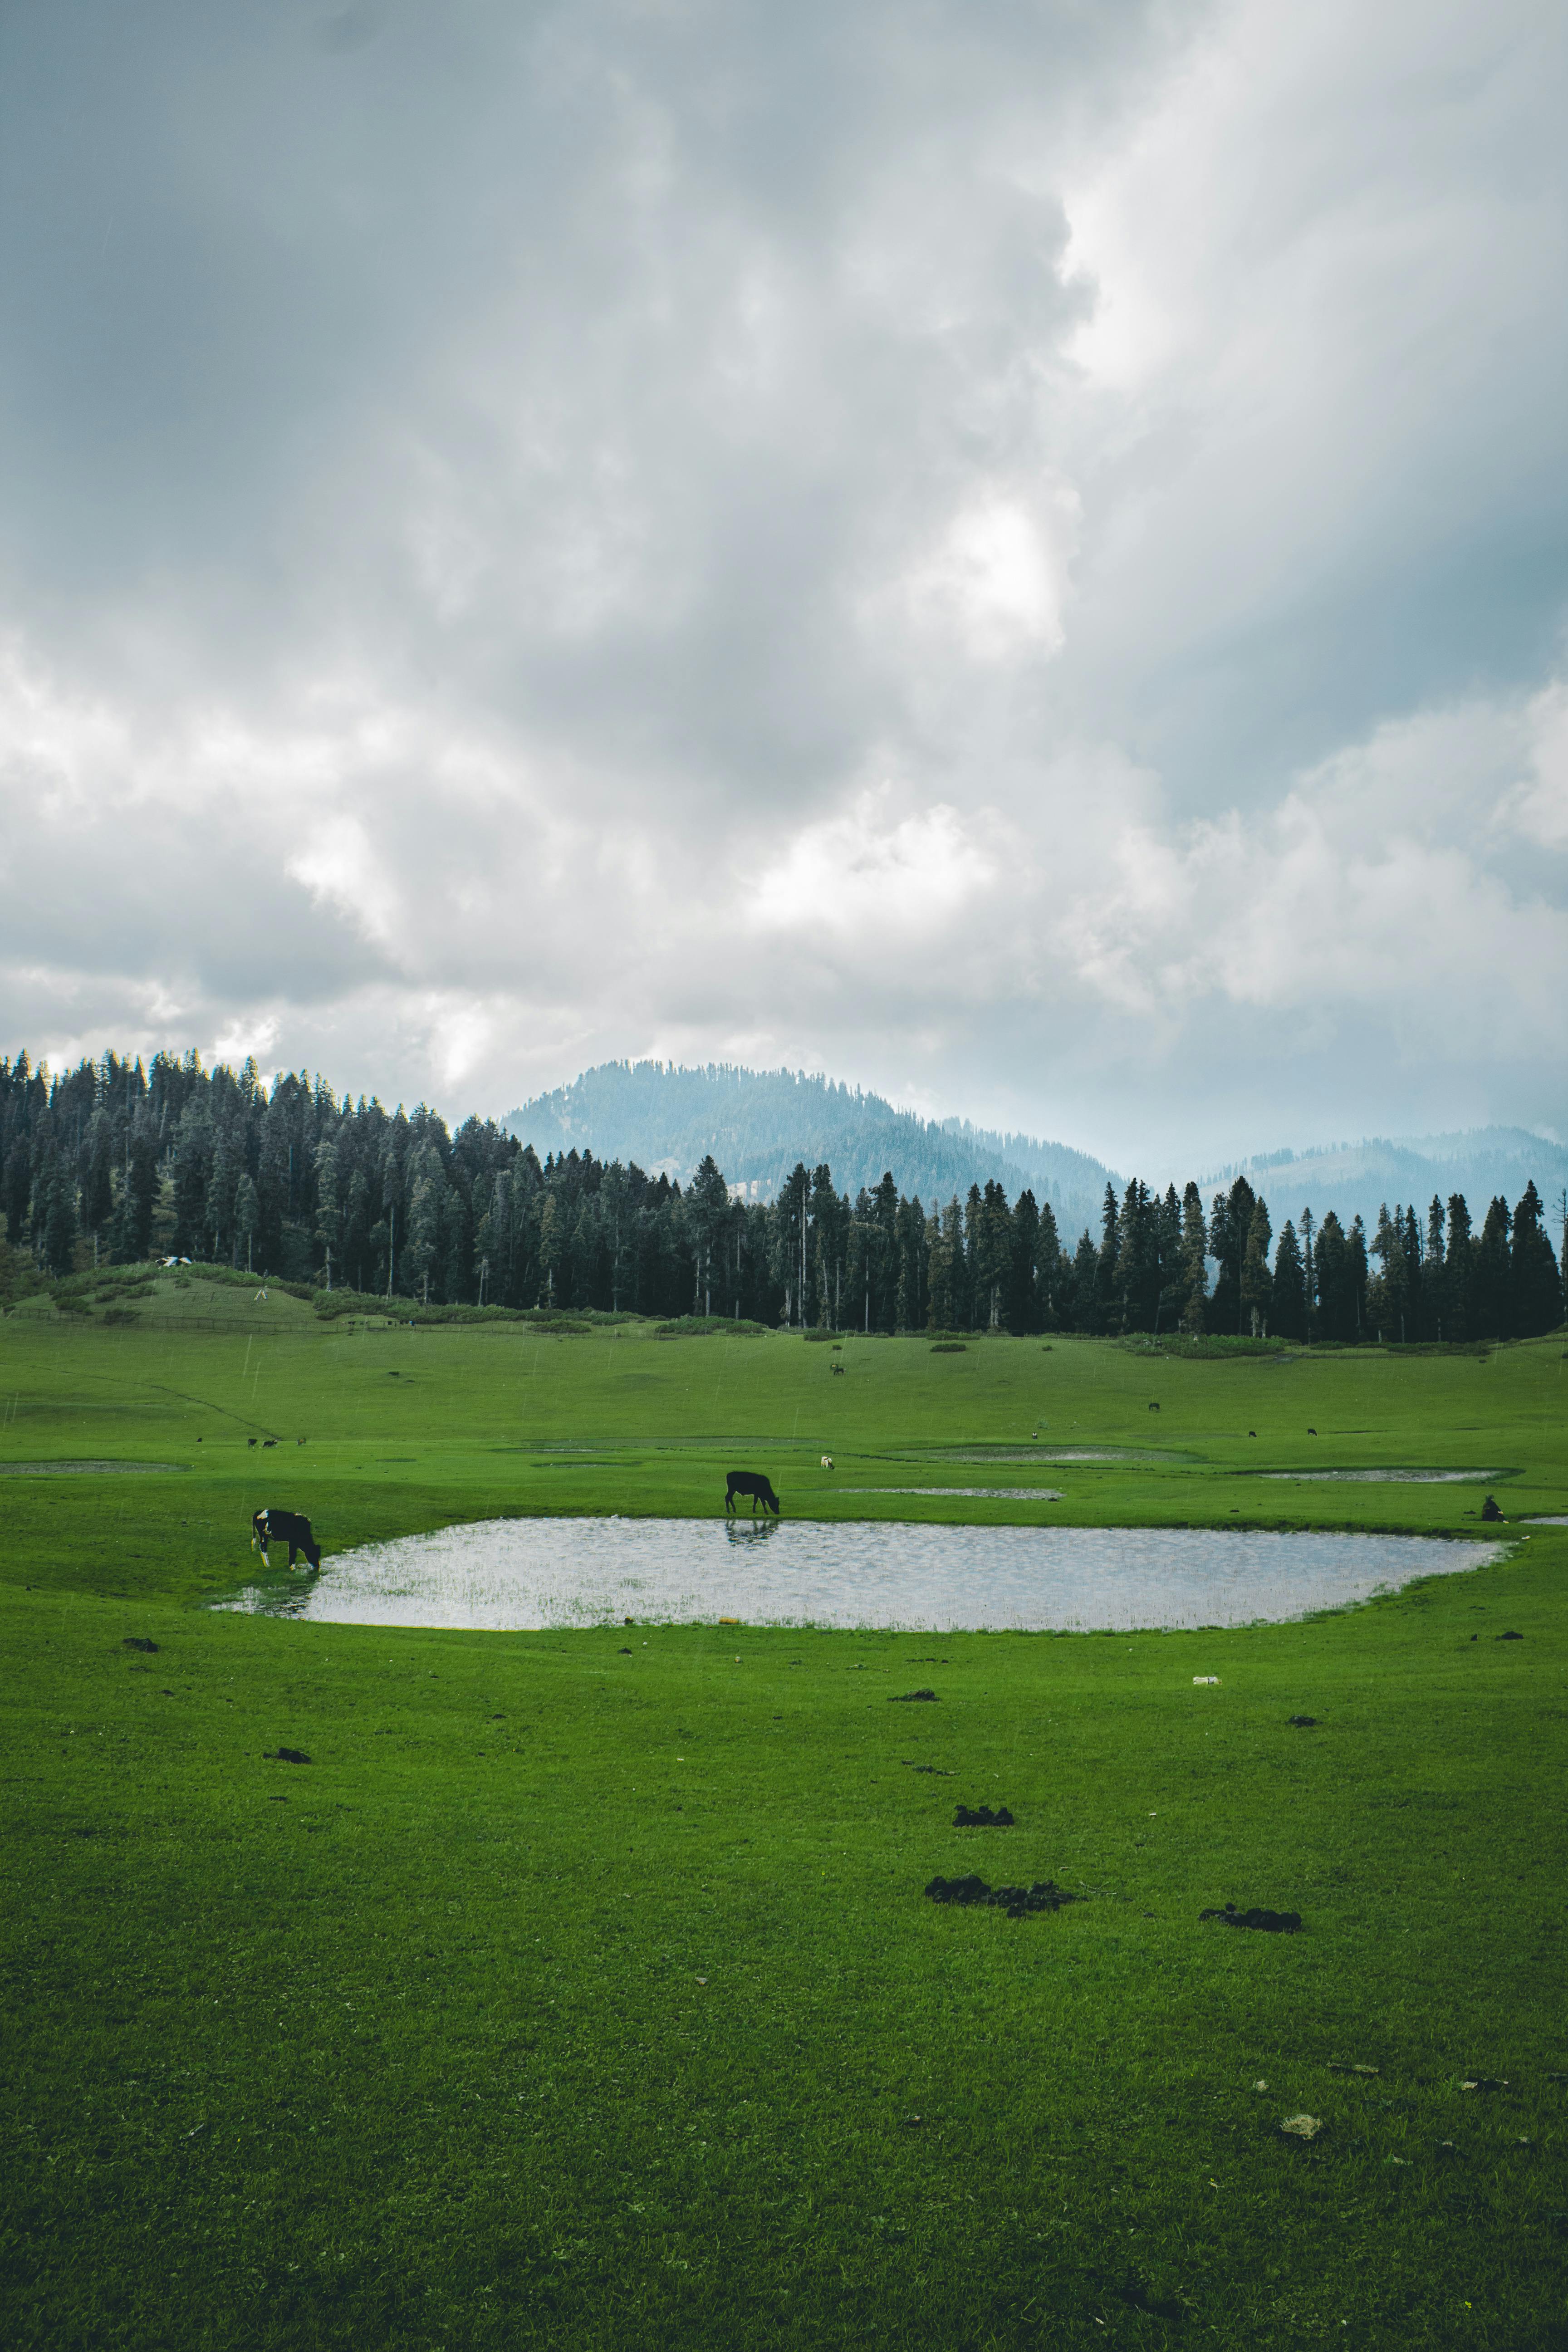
453 598
340 868
1540 808
996 581
859 874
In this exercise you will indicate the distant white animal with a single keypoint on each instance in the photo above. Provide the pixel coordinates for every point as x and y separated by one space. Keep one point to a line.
827 1461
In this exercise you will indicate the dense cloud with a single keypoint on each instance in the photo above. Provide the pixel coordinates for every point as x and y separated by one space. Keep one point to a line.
1015 553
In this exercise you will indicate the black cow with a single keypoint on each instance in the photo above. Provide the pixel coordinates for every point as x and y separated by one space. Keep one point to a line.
285 1527
752 1482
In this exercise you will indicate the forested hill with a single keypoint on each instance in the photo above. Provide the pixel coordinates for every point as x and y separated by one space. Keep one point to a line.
1356 1179
757 1124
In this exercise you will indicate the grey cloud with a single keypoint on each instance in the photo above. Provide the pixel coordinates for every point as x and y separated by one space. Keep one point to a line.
530 534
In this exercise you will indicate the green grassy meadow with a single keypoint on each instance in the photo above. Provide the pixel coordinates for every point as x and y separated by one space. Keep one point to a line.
581 1990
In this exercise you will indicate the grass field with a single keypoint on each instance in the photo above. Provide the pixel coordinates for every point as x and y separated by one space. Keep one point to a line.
590 1999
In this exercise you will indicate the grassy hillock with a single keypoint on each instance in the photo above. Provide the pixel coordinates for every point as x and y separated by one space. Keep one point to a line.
581 1989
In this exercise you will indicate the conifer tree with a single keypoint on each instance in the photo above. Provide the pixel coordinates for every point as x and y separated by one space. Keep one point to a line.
1490 1274
1309 1275
943 1310
1168 1261
1022 1304
58 1189
246 1217
1458 1258
1288 1311
1105 1302
1049 1272
1194 1254
1256 1283
1357 1267
1084 1313
1535 1282
1434 1276
1336 1304
1230 1225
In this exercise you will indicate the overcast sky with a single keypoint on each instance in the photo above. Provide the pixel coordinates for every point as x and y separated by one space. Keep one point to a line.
1015 552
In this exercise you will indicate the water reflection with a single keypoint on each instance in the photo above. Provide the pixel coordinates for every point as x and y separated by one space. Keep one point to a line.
752 1531
539 1572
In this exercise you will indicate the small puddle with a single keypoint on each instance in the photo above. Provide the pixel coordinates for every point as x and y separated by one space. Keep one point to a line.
1384 1477
536 1572
84 1469
1042 1453
982 1493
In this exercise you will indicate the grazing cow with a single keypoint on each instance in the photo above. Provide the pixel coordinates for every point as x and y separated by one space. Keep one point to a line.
250 1441
267 1441
1153 1408
285 1527
838 1370
752 1482
827 1461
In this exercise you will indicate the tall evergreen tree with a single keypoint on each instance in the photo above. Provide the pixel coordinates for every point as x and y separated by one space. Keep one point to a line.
1230 1225
1169 1261
1022 1304
1335 1302
1287 1310
1194 1254
139 1191
1434 1276
1107 1312
1050 1272
58 1190
1256 1283
1309 1272
1083 1288
1388 1303
1490 1274
1356 1262
1458 1258
946 1250
1535 1282
247 1218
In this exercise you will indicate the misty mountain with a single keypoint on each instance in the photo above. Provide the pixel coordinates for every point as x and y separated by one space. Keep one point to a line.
758 1123
1356 1179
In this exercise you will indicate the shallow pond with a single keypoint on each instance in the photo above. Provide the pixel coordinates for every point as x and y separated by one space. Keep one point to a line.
1384 1477
531 1573
985 1493
1037 1454
83 1469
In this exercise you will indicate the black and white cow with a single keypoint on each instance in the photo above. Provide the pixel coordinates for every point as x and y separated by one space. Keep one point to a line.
285 1527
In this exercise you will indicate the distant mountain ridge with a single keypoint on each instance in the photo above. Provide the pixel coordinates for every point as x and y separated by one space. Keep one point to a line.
758 1123
1356 1178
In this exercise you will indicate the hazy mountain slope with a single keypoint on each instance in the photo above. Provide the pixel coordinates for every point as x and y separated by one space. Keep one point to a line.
758 1123
1356 1179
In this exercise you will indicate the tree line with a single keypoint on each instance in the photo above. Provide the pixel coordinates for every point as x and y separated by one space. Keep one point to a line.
112 1163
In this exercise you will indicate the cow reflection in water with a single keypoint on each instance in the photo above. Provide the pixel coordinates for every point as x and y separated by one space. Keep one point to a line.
751 1531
